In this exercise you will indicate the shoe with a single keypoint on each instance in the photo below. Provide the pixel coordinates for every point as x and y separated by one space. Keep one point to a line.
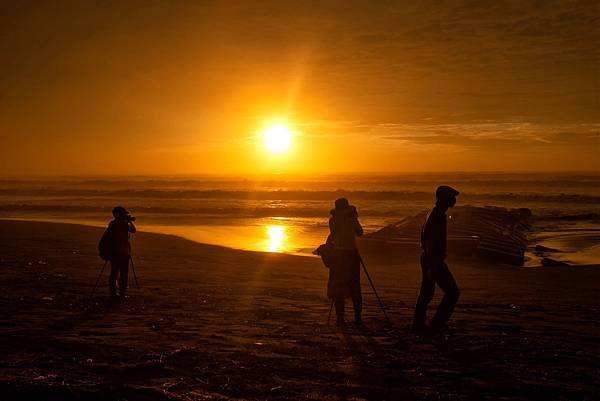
419 328
360 325
440 328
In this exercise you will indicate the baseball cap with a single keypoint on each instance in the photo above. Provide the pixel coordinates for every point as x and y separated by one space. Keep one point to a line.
119 211
445 192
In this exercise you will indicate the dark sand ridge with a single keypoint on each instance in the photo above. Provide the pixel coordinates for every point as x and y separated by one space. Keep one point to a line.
216 323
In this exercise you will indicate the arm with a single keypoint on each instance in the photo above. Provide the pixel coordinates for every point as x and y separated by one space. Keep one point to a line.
435 244
357 227
434 259
331 229
131 227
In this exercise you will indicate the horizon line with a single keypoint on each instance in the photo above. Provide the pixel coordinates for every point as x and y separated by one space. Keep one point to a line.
291 175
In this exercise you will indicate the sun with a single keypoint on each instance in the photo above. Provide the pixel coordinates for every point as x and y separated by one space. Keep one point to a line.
277 138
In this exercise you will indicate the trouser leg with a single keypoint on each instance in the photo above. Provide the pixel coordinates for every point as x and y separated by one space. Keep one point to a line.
445 280
123 276
425 297
357 305
340 306
112 278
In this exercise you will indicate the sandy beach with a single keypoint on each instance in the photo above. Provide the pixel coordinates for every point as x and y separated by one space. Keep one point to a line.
211 323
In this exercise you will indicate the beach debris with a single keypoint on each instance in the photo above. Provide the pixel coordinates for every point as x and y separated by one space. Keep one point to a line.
44 377
573 217
47 299
42 262
553 262
540 250
489 232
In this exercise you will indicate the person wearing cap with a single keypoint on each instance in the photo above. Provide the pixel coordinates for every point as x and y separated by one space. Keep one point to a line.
120 229
344 272
433 266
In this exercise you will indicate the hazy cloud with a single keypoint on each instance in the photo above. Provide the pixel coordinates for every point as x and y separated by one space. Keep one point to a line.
492 135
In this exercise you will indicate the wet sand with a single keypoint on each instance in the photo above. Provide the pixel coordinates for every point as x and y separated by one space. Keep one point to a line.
215 323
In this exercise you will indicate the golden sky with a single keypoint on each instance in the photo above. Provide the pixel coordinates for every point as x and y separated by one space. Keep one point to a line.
177 87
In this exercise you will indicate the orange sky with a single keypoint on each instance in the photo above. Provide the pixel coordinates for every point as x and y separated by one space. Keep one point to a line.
184 87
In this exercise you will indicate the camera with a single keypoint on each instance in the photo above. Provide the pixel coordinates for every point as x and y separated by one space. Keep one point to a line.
130 218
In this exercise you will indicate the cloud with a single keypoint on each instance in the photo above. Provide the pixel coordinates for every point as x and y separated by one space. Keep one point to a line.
491 136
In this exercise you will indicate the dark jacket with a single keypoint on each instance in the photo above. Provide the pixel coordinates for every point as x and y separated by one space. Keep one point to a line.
344 271
119 234
433 236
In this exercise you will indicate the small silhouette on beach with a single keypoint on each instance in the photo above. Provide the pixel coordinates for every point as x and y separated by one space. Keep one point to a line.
433 266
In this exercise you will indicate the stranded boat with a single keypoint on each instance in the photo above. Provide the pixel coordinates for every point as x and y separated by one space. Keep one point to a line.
488 232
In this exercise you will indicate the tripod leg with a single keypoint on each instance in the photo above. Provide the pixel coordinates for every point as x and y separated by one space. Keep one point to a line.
134 275
98 279
330 309
374 290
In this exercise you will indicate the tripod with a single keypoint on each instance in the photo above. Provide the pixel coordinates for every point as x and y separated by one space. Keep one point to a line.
137 284
374 290
133 270
381 306
98 279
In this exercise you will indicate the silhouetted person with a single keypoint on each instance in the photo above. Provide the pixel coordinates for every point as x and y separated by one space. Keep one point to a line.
433 265
120 250
344 272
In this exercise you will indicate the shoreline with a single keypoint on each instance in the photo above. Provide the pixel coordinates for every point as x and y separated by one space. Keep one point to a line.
559 256
151 232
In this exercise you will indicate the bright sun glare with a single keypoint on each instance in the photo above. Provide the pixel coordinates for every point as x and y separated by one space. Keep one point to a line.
277 138
276 237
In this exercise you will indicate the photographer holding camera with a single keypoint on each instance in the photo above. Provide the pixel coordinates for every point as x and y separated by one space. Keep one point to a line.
120 249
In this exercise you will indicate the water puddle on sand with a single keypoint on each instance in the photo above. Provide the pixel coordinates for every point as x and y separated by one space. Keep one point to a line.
575 243
279 235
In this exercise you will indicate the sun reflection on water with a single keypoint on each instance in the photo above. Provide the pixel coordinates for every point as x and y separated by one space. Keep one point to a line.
276 238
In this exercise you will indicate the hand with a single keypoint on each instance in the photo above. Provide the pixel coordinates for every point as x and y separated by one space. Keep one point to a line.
132 228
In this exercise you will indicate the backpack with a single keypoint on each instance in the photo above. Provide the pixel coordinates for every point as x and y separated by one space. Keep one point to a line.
327 254
105 245
326 251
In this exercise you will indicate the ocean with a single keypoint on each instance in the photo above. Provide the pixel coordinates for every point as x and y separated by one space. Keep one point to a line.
290 213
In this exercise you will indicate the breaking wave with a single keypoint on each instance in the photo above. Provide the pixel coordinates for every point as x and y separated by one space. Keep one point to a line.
290 195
